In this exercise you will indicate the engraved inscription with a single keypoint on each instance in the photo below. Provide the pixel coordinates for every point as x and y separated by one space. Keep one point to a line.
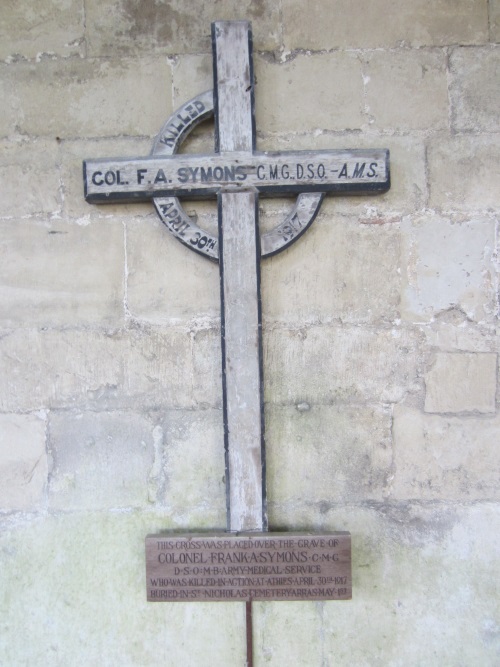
359 171
252 566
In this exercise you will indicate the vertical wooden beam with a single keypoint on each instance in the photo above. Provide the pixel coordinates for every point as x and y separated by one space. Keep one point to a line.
239 261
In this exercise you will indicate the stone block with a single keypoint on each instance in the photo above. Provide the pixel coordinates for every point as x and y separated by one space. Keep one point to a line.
448 266
399 85
192 73
461 382
141 366
437 457
287 633
54 274
339 270
167 282
193 464
58 569
453 332
475 93
89 98
330 364
288 98
129 28
52 28
357 24
494 6
327 454
464 173
424 578
100 460
23 461
423 575
73 153
30 177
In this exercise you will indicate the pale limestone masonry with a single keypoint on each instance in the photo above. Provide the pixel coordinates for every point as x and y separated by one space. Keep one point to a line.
461 383
23 460
381 346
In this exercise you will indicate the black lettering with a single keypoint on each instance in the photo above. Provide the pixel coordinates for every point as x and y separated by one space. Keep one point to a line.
358 170
343 171
193 173
118 178
284 171
300 171
240 173
110 177
183 175
168 141
206 175
166 207
310 171
176 223
230 173
95 175
373 170
160 176
259 175
321 170
179 128
218 173
140 175
273 171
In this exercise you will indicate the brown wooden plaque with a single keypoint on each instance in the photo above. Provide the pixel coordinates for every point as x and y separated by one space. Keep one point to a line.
248 566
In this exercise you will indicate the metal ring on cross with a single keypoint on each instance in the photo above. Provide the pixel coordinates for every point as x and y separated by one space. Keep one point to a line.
178 223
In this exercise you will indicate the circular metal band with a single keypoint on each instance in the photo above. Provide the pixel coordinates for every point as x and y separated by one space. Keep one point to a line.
178 223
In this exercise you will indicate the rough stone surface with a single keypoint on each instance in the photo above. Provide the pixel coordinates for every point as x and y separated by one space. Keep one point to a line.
351 364
438 457
399 86
166 282
109 369
448 266
131 26
288 99
494 7
344 23
428 576
192 464
475 90
380 329
86 98
461 383
99 460
52 28
30 171
329 256
345 453
55 273
464 173
23 461
61 560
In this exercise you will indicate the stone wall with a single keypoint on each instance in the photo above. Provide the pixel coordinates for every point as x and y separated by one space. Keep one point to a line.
380 334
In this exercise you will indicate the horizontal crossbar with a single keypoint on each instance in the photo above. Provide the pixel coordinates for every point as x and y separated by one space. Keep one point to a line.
203 176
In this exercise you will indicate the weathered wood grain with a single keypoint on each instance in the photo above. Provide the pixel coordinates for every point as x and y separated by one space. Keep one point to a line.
242 360
270 174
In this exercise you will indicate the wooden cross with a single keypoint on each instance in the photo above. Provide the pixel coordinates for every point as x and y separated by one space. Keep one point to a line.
236 174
